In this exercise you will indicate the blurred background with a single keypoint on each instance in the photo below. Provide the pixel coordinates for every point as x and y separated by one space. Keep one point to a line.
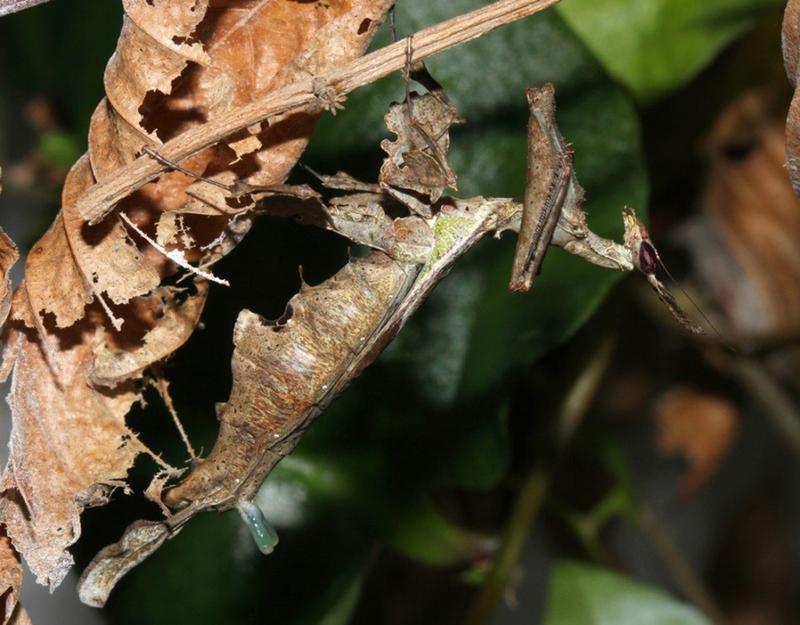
569 455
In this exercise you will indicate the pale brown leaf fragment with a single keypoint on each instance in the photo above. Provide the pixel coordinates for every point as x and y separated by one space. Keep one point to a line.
417 159
105 254
53 282
698 426
8 256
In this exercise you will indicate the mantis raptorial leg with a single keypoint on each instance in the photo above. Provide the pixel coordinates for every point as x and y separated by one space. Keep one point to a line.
552 213
549 178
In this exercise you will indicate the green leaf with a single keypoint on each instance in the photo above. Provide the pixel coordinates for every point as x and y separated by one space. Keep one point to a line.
59 148
422 533
590 595
338 605
306 486
514 329
654 46
481 454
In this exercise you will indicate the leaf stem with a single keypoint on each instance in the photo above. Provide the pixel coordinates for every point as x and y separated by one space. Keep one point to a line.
100 198
687 580
526 509
534 489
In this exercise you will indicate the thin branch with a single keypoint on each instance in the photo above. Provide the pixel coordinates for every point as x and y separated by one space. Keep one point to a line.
177 257
162 386
690 583
577 402
99 199
778 406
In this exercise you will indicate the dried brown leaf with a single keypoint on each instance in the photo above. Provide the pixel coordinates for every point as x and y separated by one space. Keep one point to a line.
69 445
181 64
8 256
178 64
10 579
172 321
698 426
745 243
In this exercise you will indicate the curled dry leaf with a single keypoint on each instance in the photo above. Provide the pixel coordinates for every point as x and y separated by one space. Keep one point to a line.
69 445
8 256
183 63
698 426
744 244
91 315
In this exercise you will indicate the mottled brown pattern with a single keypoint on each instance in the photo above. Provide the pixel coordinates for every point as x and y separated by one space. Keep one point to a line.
286 372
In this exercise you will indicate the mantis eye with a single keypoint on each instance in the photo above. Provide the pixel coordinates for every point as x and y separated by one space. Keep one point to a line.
262 532
648 260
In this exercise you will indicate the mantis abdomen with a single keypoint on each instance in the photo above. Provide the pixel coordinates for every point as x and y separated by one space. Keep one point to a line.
285 373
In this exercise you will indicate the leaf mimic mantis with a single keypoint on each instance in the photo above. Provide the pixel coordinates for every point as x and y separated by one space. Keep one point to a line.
288 371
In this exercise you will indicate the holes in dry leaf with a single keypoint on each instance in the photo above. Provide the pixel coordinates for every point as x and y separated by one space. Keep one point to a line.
364 26
291 128
280 323
238 202
225 159
94 235
209 25
169 114
201 32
